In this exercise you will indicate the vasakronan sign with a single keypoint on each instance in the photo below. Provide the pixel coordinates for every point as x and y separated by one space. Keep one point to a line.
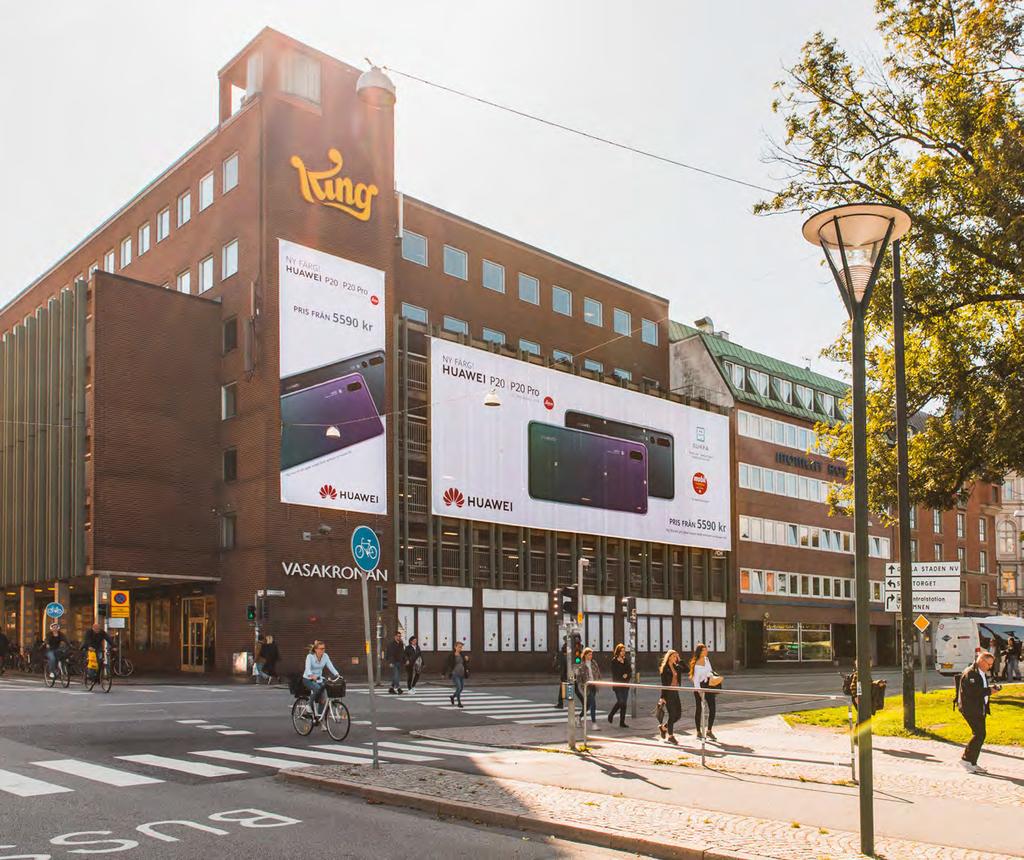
313 570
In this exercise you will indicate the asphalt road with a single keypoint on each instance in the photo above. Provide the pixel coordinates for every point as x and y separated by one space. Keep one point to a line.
110 764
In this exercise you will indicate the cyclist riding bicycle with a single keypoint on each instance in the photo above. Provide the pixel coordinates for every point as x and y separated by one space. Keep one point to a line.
56 647
313 675
94 638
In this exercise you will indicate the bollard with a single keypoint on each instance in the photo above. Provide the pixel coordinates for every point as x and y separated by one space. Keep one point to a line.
584 715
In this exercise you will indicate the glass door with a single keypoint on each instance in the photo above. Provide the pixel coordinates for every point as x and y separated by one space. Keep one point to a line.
193 635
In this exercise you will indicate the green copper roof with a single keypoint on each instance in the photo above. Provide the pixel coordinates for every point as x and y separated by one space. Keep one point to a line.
721 350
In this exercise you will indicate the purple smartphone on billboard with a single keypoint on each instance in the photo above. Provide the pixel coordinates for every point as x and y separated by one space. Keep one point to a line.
580 468
306 415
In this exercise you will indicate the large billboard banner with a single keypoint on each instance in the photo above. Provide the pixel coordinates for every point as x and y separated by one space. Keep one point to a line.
333 381
571 454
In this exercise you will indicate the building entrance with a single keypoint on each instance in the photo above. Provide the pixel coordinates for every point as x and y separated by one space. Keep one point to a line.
197 633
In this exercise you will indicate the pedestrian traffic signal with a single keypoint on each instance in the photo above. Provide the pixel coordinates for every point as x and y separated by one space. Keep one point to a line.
629 609
264 609
577 648
556 603
250 612
570 600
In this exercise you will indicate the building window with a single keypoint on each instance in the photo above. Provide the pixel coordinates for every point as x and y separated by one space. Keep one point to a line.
529 289
494 276
649 332
1007 538
494 336
561 301
231 464
92 269
961 556
414 248
300 76
982 529
758 381
227 531
230 175
984 594
414 313
126 251
184 208
619 373
804 396
593 312
961 525
185 282
456 262
560 356
229 335
1008 581
206 274
937 549
622 322
913 550
229 259
206 191
937 522
737 373
228 401
529 346
455 325
983 562
163 224
913 517
593 366
783 390
143 238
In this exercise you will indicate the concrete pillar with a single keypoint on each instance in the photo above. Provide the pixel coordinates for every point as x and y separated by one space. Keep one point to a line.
101 594
28 630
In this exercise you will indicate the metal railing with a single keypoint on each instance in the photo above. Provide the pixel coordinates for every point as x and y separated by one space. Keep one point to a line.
703 692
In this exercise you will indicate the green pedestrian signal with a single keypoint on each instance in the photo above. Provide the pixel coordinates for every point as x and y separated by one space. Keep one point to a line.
250 612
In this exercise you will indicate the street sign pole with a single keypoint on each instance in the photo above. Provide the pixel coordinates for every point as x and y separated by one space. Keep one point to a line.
924 662
369 667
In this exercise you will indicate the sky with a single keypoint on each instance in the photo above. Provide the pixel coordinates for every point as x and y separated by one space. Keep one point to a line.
100 97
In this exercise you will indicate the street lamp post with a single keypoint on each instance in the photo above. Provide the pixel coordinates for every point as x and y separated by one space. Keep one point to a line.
854 238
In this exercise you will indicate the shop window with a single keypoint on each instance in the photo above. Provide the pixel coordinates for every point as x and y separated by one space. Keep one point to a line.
160 623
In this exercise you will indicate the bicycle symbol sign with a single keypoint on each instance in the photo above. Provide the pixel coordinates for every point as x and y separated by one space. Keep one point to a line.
365 548
54 610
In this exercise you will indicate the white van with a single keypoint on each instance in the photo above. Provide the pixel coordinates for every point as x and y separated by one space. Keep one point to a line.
957 639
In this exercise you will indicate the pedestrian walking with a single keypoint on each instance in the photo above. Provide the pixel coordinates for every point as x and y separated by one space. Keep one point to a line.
561 663
1013 652
395 655
413 663
457 668
622 671
266 662
973 692
5 647
588 672
673 708
704 683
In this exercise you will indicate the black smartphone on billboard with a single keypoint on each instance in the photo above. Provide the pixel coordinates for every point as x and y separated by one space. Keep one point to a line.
310 416
661 458
369 364
580 468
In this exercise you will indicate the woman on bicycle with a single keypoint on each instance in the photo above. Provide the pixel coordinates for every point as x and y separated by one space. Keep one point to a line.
313 676
56 648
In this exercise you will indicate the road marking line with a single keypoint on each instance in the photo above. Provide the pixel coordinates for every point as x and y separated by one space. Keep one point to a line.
387 729
316 756
197 768
545 722
97 772
190 722
417 748
231 731
246 758
455 745
369 752
26 786
211 726
360 722
152 704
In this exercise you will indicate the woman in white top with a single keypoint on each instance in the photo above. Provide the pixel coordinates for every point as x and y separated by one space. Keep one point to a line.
313 675
701 674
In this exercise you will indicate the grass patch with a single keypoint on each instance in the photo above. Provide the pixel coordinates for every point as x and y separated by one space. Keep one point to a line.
936 718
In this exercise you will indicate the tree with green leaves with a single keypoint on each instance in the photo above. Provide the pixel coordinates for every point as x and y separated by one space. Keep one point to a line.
935 125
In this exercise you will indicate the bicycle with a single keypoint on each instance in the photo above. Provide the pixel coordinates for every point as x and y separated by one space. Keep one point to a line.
120 665
62 674
100 675
334 716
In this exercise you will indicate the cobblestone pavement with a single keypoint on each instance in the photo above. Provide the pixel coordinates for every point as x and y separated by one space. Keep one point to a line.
671 824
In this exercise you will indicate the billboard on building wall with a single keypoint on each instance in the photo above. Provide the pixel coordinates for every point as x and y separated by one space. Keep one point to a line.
333 381
568 453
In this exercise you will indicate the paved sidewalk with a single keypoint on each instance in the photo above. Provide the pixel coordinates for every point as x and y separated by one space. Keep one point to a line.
613 820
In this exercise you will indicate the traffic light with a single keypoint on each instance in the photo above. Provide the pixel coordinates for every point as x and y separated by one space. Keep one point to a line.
570 600
629 609
577 648
382 598
250 612
556 603
264 609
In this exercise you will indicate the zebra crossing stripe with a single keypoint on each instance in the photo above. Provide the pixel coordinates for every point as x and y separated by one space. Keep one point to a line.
388 745
246 758
320 754
26 786
459 745
367 751
234 732
97 772
211 726
190 722
196 768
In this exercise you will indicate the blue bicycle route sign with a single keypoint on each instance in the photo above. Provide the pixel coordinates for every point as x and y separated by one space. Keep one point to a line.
54 610
365 548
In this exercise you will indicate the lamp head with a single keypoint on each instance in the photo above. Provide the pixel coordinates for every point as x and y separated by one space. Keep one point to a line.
332 432
492 398
376 88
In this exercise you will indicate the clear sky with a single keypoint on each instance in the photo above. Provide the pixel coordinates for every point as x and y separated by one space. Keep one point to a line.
98 98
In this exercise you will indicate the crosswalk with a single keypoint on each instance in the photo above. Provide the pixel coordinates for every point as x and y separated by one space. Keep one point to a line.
480 703
61 776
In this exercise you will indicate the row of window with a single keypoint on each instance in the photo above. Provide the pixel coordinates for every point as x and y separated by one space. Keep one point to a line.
961 524
758 530
961 555
493 335
124 253
783 483
228 267
757 382
492 277
780 432
802 585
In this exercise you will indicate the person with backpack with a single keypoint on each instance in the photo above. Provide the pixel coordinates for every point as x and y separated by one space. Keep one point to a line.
973 692
413 663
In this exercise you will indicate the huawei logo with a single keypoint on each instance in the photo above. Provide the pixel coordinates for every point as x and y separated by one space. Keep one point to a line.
328 492
454 497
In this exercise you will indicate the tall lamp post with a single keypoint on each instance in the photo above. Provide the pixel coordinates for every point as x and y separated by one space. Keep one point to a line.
854 238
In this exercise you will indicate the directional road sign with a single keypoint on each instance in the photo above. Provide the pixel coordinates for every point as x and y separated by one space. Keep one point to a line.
936 587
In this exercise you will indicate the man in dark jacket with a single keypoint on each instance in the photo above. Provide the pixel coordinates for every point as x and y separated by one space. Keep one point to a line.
973 692
1011 670
395 655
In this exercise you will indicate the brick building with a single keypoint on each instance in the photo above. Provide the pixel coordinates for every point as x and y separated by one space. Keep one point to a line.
141 433
794 563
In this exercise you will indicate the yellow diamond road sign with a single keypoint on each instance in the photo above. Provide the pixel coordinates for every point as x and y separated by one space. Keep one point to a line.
921 623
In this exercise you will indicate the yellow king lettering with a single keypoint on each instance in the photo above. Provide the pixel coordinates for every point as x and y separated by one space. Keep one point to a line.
327 188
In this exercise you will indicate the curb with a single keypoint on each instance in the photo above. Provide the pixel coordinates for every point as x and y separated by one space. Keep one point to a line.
592 835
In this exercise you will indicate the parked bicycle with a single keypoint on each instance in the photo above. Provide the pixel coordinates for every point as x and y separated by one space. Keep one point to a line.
333 715
119 664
